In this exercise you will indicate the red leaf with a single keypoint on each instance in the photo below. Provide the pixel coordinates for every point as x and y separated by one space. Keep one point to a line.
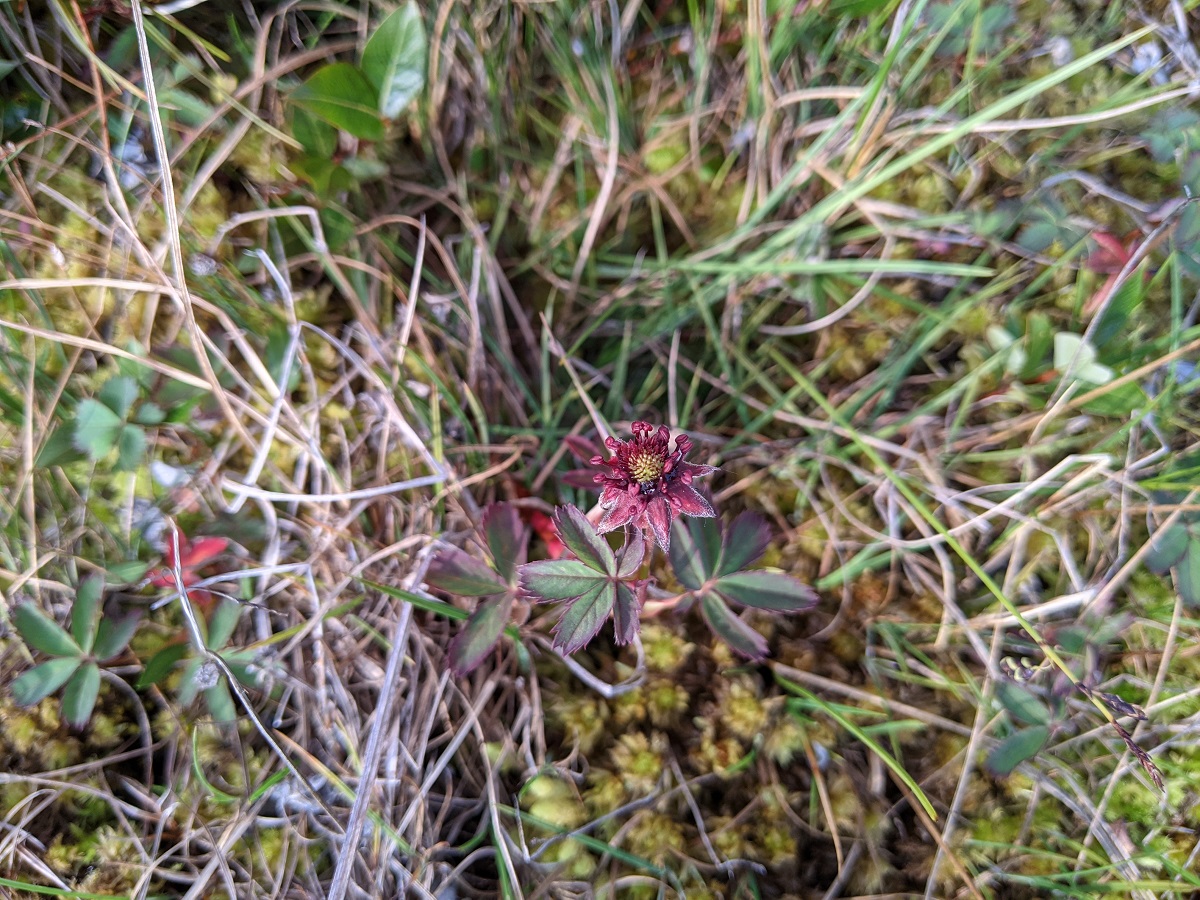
543 525
194 554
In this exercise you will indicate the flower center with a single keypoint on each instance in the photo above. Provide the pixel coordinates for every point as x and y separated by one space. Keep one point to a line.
645 465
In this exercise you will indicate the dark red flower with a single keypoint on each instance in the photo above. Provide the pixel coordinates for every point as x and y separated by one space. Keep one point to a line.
649 485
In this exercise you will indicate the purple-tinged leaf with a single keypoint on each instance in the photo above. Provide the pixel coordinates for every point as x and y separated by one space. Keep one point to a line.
695 550
744 542
79 698
471 646
629 559
626 614
1016 748
457 572
558 579
1167 547
581 537
584 616
506 538
42 681
732 630
766 590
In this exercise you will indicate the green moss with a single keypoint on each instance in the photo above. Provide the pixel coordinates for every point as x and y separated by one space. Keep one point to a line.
639 759
656 837
665 650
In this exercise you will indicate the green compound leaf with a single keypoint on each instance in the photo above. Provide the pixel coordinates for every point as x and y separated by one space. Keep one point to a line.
584 616
506 538
458 572
79 699
339 94
695 550
1016 748
42 681
118 394
394 59
131 448
472 645
558 579
581 537
43 633
96 429
744 542
626 614
729 628
766 590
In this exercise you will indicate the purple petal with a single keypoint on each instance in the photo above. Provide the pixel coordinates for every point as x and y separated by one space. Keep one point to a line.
623 511
690 501
658 515
694 469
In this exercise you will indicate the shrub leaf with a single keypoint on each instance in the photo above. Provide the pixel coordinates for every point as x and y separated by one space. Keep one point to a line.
394 59
1016 748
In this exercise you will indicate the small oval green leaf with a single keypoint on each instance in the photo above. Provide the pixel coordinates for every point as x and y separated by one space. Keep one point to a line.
394 59
79 699
42 681
161 664
114 634
339 94
43 633
86 611
1016 748
1022 704
695 549
744 542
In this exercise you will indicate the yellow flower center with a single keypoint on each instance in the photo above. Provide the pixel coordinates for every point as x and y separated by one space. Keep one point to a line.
645 466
